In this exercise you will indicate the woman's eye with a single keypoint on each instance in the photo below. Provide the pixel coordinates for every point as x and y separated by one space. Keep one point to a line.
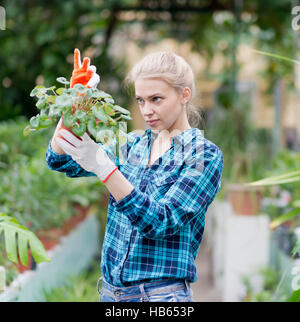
155 98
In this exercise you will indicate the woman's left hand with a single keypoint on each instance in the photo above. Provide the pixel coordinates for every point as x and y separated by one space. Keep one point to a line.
87 153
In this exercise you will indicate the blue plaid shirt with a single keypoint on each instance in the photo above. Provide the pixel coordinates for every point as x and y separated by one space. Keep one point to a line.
155 232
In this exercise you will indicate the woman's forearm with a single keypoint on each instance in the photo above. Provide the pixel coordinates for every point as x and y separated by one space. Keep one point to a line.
118 185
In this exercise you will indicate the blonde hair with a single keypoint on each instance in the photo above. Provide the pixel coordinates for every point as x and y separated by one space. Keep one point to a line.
173 69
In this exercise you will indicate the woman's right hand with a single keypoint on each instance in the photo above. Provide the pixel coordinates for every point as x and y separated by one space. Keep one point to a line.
60 125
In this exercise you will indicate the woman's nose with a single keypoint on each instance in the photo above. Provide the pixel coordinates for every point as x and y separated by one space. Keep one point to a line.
148 109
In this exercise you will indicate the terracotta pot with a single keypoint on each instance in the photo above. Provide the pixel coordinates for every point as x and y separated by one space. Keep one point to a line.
245 200
73 221
50 237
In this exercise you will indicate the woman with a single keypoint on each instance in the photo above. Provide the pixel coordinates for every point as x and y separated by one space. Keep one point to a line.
159 193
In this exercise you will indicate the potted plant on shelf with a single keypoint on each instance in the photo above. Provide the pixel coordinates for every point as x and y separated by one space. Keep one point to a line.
244 147
244 199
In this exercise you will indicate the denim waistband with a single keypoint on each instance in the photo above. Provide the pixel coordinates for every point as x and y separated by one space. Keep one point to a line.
151 288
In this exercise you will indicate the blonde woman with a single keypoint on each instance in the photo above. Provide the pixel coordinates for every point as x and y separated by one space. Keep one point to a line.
159 193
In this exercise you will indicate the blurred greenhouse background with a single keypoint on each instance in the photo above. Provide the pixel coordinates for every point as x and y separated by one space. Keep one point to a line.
250 106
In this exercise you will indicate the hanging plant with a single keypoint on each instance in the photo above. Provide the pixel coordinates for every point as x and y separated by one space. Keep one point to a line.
83 110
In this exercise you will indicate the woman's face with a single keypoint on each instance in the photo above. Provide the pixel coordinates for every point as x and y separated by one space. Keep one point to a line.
159 101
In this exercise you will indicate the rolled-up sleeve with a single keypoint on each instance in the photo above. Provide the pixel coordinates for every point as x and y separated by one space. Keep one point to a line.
188 197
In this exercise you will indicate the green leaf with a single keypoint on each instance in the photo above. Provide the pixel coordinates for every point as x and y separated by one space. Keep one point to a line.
92 127
23 247
34 121
27 130
99 113
33 92
121 109
63 80
60 91
14 231
295 297
79 114
287 177
37 249
42 103
109 100
64 101
55 111
38 90
107 108
51 88
45 122
51 99
93 93
111 121
69 119
126 117
79 129
277 56
285 217
296 203
104 95
11 245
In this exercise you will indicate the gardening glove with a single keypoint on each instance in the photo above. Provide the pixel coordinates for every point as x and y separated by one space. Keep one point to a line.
87 153
83 73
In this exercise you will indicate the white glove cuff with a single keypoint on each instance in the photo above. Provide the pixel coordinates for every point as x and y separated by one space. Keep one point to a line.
105 166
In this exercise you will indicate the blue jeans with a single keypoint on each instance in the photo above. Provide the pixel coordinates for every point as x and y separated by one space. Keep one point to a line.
160 291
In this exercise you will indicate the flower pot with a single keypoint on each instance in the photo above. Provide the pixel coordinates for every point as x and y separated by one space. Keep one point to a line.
245 200
50 237
73 221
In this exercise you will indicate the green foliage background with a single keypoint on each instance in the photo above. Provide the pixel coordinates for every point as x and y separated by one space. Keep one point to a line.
41 35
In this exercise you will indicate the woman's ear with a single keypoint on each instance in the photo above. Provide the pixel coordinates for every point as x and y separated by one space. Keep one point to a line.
186 93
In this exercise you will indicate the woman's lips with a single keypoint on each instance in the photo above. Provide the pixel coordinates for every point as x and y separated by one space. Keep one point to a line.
151 123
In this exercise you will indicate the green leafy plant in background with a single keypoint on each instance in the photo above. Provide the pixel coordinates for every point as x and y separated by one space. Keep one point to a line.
12 151
51 195
290 176
17 238
84 109
270 280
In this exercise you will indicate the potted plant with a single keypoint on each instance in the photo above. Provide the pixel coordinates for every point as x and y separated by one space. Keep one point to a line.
245 199
244 147
83 110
